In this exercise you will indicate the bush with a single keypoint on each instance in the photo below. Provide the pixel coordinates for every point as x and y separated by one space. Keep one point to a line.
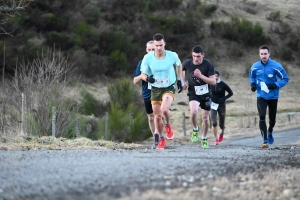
274 16
123 93
240 30
91 106
127 118
207 9
294 43
236 52
114 43
43 82
129 125
286 54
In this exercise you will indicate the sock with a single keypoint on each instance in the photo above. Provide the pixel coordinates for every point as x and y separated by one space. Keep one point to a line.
196 129
216 138
221 132
203 138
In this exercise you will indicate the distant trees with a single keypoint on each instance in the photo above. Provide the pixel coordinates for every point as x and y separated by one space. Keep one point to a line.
11 9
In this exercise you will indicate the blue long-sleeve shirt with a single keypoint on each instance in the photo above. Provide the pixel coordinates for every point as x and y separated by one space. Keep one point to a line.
270 73
146 93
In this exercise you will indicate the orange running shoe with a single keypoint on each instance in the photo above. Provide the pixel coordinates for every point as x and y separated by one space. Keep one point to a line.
216 142
161 143
221 137
169 132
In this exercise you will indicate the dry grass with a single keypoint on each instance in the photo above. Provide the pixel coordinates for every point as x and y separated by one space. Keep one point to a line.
236 187
51 143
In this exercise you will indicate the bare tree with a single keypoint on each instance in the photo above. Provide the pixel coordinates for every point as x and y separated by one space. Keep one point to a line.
11 9
44 82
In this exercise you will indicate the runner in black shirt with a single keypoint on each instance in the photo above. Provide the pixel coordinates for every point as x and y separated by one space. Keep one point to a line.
218 106
201 75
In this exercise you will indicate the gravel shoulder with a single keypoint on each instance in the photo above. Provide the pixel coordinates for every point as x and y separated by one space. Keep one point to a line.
181 171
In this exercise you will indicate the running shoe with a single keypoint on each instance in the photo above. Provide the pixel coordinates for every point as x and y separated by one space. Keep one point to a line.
195 136
204 143
156 138
216 142
161 143
220 137
169 132
265 144
270 137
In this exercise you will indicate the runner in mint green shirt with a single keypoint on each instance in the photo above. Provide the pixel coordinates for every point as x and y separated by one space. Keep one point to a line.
160 65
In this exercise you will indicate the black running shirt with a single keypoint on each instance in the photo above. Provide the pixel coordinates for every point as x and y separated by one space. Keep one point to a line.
206 68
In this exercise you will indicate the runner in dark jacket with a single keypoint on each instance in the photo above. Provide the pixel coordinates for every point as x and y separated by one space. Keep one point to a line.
218 106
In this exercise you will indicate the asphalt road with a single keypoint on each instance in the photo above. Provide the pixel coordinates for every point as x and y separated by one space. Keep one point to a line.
289 137
114 174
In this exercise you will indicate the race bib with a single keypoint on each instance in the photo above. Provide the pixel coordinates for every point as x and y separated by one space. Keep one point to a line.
202 89
149 86
162 82
264 87
214 106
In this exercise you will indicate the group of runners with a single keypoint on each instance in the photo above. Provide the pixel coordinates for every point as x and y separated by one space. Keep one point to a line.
205 89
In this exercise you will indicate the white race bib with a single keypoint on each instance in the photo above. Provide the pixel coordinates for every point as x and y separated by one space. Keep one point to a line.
202 89
214 106
264 87
149 86
162 82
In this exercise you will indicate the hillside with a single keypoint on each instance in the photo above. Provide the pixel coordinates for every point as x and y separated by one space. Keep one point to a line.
242 109
101 37
104 40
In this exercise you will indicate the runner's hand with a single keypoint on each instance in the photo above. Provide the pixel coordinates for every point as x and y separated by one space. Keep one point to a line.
253 87
179 86
272 86
150 79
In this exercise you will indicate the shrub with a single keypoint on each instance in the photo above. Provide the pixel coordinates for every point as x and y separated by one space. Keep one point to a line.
207 9
91 106
60 39
91 13
43 81
286 54
114 43
274 16
127 121
123 93
294 43
236 51
129 125
50 22
240 30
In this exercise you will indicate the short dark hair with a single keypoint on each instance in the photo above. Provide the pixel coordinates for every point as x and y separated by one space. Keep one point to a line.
217 72
198 49
264 47
158 37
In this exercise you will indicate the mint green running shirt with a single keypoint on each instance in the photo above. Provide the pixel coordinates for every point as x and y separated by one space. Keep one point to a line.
162 70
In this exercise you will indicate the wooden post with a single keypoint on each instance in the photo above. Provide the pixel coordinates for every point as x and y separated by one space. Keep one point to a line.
106 125
289 117
78 127
23 114
183 124
53 121
254 121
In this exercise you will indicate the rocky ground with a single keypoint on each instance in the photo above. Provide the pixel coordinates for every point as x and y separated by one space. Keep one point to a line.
181 171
